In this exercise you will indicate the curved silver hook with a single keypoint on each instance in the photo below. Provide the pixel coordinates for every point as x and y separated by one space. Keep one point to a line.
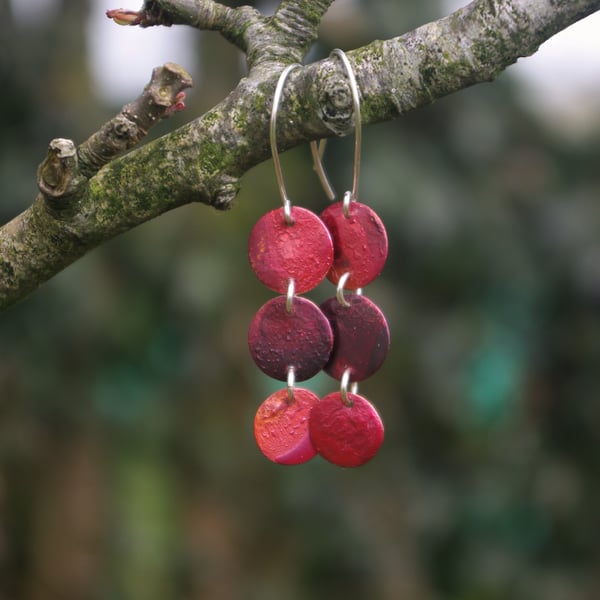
317 155
357 120
317 151
287 204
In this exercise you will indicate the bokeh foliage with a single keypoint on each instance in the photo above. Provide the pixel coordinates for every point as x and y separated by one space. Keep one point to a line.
127 464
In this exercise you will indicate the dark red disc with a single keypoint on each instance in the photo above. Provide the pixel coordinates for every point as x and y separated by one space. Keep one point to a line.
361 337
360 243
279 252
281 427
279 339
347 435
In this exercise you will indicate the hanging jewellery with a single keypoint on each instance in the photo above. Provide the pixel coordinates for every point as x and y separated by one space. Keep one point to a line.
290 339
344 427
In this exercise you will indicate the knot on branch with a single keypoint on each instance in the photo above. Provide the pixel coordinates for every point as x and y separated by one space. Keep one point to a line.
114 137
58 176
335 101
224 190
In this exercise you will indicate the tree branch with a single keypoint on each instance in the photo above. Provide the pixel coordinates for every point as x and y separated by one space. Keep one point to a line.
284 38
232 23
294 25
472 45
55 230
203 160
162 97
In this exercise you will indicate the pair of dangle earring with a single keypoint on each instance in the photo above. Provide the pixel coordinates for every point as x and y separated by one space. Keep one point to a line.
291 339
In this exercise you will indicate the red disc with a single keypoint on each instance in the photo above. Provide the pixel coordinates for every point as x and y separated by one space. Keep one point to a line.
345 435
360 243
361 337
281 427
279 252
279 339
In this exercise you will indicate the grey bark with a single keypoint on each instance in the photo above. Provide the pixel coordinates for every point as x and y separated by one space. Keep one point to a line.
88 196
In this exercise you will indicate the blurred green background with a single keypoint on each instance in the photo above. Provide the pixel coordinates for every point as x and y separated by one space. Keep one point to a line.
128 469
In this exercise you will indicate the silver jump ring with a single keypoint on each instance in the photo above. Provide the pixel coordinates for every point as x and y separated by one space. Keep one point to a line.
346 203
289 299
345 385
291 382
339 294
287 204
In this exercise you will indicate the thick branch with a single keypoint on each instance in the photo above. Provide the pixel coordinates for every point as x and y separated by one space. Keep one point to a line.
472 45
203 160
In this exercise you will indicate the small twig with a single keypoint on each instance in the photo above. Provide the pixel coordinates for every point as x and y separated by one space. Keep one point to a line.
208 15
66 169
162 97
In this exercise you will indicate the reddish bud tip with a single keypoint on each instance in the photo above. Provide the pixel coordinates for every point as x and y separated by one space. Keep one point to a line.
178 105
122 16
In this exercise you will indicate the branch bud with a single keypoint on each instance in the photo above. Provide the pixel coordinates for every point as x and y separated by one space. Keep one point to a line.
122 16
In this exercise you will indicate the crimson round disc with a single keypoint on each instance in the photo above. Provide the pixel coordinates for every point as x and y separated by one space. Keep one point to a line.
361 337
279 252
345 435
281 427
279 339
360 243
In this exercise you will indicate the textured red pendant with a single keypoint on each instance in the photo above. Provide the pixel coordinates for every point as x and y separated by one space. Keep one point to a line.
281 427
279 251
360 243
301 338
361 334
347 435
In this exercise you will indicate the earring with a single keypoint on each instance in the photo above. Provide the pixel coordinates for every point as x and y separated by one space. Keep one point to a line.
344 427
291 250
290 339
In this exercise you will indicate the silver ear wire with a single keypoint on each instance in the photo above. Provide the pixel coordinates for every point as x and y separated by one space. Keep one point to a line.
357 120
318 152
287 204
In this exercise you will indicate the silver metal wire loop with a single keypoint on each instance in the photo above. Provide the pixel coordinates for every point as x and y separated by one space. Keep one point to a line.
340 290
291 382
287 204
347 387
346 203
289 299
318 152
357 120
